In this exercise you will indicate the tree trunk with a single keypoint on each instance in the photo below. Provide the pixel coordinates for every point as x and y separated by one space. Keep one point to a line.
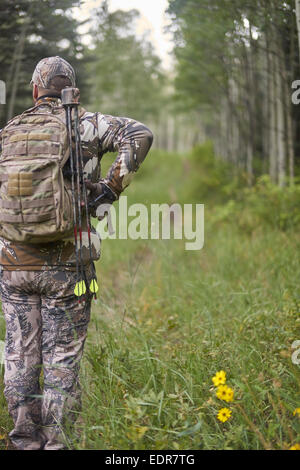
297 2
18 62
273 149
290 145
280 124
267 78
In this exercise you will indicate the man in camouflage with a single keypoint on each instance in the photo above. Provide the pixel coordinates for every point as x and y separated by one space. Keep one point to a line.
46 326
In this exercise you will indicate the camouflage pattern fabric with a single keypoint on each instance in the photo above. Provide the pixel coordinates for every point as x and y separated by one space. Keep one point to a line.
46 329
35 198
50 67
99 134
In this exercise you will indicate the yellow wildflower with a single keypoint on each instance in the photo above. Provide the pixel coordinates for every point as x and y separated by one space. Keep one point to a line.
230 394
295 447
224 414
296 412
219 378
225 393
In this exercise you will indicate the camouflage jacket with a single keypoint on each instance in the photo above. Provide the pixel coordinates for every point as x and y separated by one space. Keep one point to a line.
99 134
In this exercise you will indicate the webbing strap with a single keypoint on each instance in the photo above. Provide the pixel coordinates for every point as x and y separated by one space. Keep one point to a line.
26 204
32 136
23 219
36 175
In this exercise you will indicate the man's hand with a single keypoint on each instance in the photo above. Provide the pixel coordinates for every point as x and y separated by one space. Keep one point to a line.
100 194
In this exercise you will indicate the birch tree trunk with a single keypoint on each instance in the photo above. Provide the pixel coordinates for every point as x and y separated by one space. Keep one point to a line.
280 124
233 91
288 107
290 143
266 102
273 146
297 2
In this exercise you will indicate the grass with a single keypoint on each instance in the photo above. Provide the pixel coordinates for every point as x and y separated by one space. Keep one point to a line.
168 319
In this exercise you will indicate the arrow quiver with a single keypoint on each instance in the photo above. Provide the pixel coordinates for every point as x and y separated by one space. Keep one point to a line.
70 100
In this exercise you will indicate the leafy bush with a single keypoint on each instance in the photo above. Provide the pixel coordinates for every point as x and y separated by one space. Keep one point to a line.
264 203
218 182
213 179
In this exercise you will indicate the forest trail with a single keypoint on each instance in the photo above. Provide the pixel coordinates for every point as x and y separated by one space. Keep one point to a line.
168 319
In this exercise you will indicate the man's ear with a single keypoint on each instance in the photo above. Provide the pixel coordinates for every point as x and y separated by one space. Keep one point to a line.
35 92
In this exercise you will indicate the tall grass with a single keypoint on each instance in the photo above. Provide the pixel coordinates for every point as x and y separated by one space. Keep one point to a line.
168 319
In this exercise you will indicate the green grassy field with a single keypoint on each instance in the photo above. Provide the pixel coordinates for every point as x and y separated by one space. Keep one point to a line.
168 319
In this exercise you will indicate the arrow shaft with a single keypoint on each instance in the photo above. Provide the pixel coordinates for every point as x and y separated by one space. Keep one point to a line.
79 186
84 193
72 167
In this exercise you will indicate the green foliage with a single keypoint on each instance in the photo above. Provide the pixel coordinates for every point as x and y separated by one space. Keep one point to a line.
212 179
50 30
126 79
248 207
224 51
203 32
266 204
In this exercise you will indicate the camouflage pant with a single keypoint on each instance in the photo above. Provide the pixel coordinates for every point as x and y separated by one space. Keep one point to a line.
46 329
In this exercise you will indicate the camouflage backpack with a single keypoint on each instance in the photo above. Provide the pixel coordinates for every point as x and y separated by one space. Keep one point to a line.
35 198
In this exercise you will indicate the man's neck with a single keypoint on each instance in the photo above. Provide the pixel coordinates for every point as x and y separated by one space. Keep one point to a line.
47 97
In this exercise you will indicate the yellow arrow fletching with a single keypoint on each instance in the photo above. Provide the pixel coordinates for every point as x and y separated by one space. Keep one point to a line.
94 286
80 288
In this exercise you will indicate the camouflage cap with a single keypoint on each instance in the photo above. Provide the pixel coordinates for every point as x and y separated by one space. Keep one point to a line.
50 67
